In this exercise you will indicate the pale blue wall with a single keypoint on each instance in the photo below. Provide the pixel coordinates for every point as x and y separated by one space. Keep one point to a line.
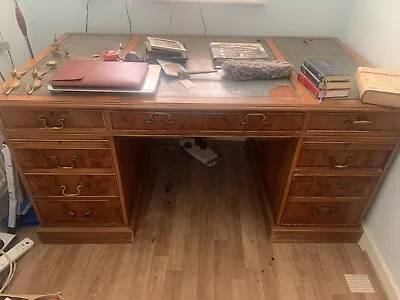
277 17
373 30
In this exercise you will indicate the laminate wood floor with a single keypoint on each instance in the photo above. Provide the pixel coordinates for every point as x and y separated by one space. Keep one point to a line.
201 236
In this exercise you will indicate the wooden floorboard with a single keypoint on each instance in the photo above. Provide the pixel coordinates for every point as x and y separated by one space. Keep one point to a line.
201 235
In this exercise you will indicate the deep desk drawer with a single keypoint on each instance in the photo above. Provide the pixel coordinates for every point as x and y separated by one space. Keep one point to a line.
332 186
56 120
177 121
344 155
323 213
63 159
78 212
71 186
354 122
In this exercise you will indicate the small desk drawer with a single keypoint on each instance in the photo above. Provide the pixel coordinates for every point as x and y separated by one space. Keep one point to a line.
72 186
52 120
340 155
354 122
78 212
177 121
63 159
323 213
332 186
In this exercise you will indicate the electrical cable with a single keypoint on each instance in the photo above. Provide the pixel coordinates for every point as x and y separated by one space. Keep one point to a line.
170 16
11 272
129 16
202 17
87 16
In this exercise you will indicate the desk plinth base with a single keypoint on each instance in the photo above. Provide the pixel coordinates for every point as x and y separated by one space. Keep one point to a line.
315 234
85 235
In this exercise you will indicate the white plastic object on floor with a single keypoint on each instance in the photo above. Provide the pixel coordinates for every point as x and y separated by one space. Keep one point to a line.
5 239
15 194
16 252
205 156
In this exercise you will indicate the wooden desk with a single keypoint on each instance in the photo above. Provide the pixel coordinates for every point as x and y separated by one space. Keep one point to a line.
321 164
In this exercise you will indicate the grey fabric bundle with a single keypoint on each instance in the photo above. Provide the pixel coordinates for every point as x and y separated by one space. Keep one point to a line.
256 69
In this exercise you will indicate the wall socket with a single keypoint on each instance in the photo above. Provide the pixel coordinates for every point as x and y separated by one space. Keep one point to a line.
4 46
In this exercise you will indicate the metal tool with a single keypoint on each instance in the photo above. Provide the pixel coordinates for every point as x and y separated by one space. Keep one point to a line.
14 85
188 73
222 52
18 75
37 76
16 81
22 26
57 51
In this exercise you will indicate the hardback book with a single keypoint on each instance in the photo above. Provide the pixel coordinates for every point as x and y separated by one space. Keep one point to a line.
321 93
328 85
325 70
379 86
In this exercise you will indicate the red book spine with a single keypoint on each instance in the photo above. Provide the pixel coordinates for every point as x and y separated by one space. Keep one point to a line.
308 84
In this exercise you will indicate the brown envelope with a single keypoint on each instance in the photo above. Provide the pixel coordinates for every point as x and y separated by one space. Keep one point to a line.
104 74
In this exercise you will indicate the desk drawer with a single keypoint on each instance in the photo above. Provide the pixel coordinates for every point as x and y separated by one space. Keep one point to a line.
79 212
72 186
354 122
63 159
343 155
323 213
177 121
52 120
332 186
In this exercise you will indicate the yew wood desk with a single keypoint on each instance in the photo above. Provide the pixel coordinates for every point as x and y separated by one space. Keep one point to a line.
321 165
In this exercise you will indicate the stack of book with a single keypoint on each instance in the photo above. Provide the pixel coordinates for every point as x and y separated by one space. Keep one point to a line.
324 79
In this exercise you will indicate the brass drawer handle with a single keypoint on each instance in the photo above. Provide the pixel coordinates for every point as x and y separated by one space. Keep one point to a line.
324 210
358 122
78 190
71 166
152 117
59 125
335 165
246 118
86 215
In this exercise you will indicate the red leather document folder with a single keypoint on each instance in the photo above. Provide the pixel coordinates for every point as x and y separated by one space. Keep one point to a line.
100 74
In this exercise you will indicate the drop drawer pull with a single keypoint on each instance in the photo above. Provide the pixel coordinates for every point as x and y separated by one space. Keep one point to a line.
86 215
59 125
357 122
246 118
324 210
151 119
71 166
335 165
78 189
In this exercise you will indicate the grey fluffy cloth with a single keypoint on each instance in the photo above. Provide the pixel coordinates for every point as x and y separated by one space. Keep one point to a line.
256 69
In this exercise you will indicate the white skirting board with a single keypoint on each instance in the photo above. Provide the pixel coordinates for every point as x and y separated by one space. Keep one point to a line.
367 244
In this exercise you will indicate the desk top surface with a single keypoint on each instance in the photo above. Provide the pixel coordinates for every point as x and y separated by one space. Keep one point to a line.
212 91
